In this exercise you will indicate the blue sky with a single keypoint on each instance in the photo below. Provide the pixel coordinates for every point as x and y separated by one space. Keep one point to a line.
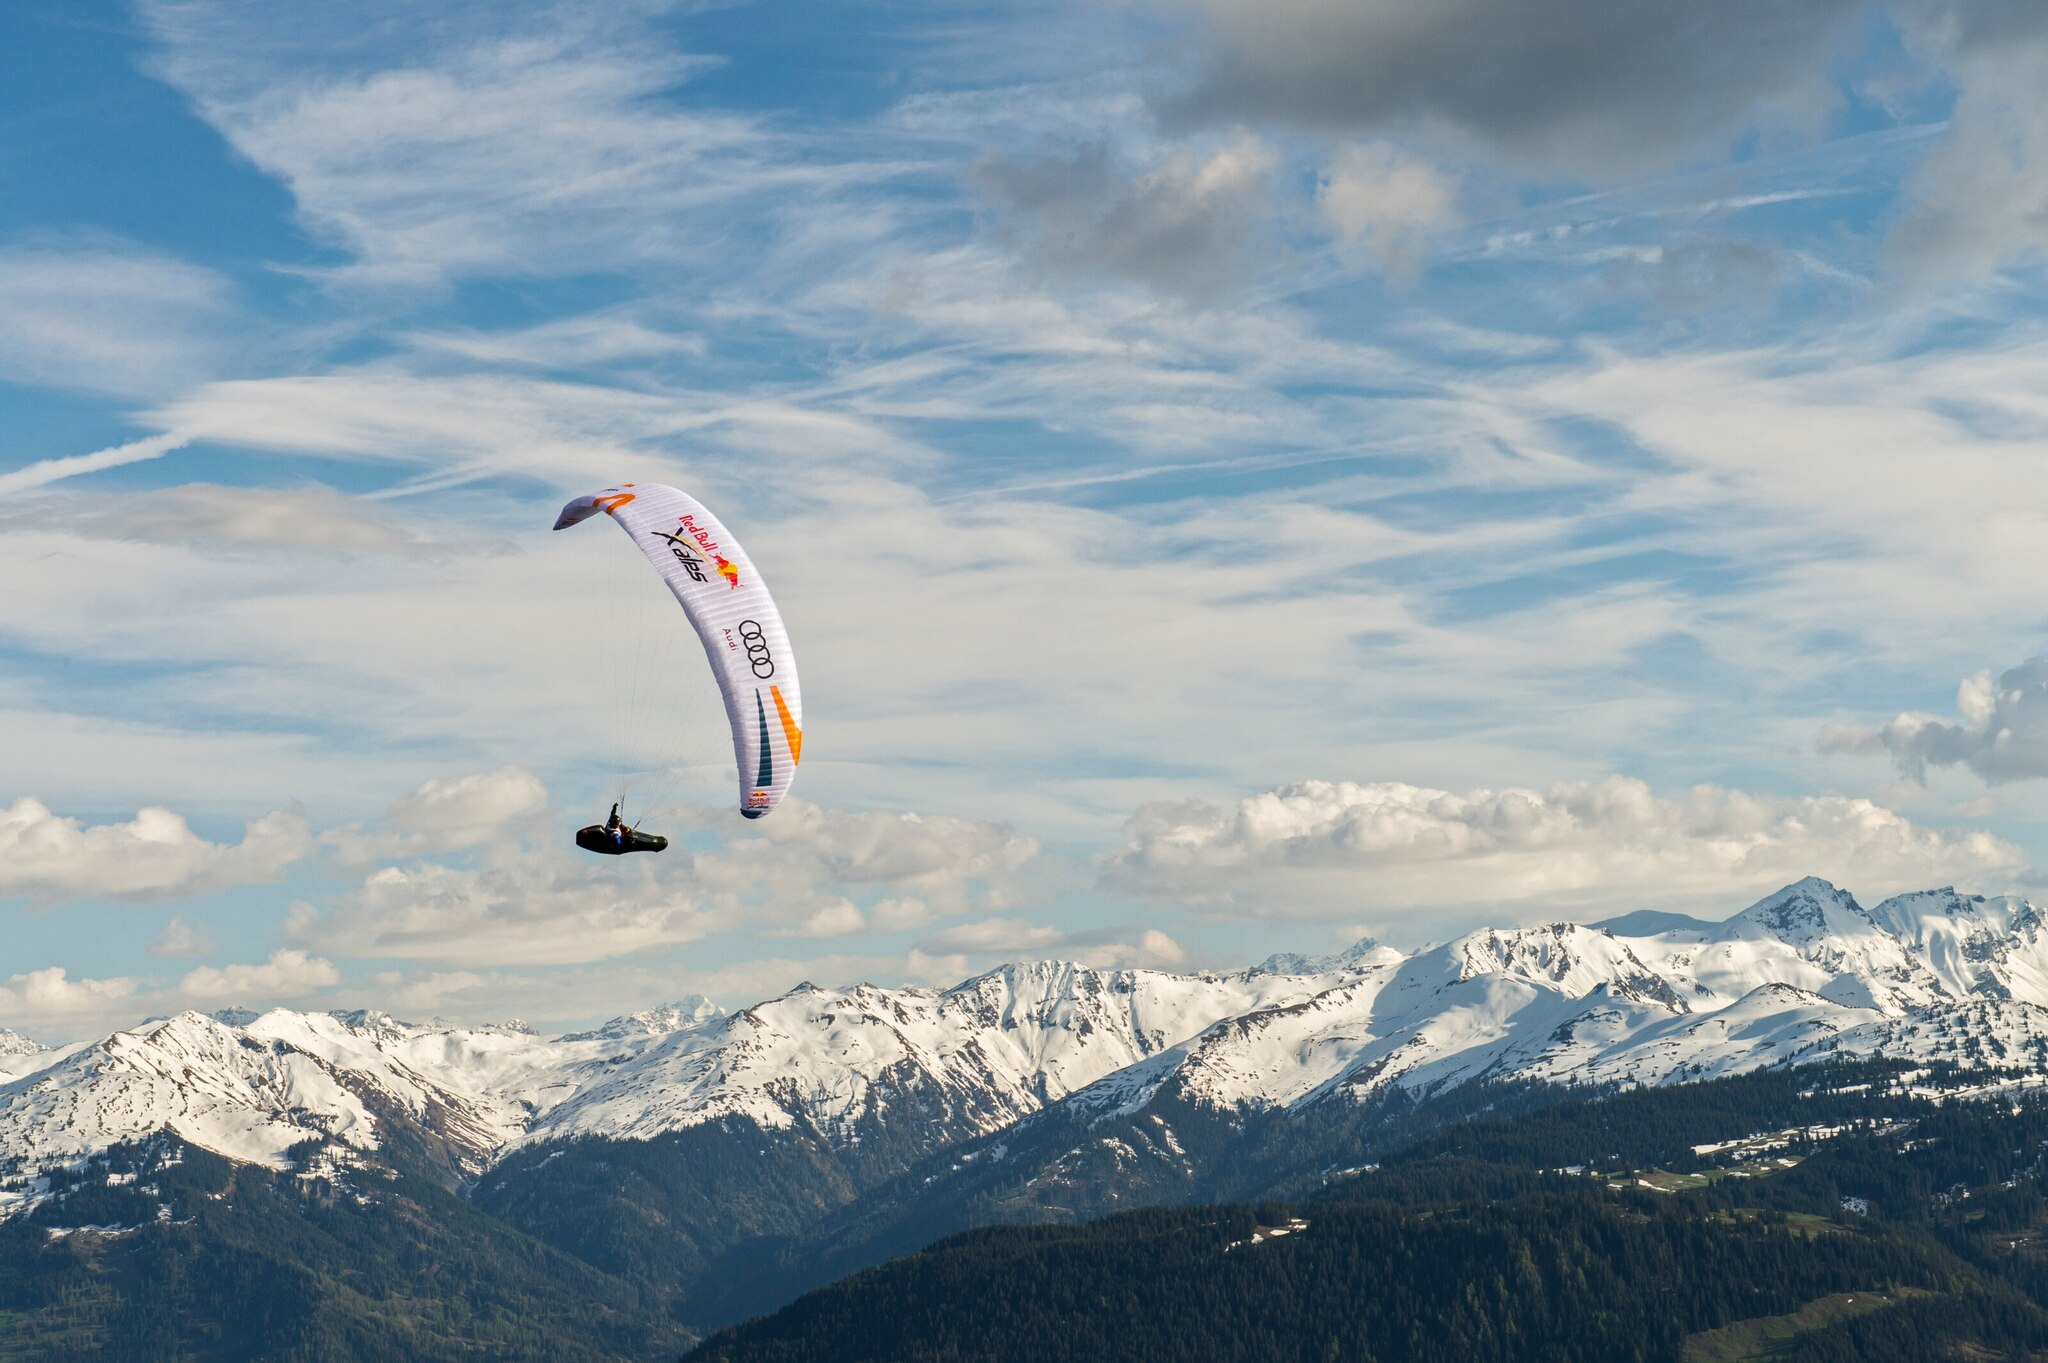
1238 477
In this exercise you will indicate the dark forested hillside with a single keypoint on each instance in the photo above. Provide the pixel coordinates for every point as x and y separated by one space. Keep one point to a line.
698 1216
1840 1212
1572 1276
1066 1166
1879 1226
165 1252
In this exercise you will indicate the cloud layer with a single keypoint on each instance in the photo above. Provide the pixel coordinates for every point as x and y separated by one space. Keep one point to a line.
1341 850
810 872
1120 410
1593 88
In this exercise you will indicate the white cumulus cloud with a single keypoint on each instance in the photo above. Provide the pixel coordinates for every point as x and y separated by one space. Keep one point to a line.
288 974
536 909
1336 848
48 859
810 863
1004 935
1148 948
447 814
180 938
2002 736
1011 938
52 993
1383 206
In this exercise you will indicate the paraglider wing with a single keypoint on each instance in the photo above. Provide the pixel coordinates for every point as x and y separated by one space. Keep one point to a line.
735 618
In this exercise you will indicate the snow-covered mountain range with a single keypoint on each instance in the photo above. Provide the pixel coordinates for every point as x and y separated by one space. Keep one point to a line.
1804 974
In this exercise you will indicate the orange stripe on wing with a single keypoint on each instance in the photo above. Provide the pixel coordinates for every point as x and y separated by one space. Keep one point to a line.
790 732
613 503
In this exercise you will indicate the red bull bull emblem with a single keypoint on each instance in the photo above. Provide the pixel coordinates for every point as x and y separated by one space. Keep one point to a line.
710 547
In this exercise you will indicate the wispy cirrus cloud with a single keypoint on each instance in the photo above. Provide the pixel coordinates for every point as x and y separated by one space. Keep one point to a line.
1817 468
43 472
309 517
429 164
110 317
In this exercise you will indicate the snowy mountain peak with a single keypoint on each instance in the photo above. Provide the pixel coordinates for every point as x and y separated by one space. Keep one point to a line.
1647 998
373 1021
1363 953
1910 917
212 1084
1971 944
1801 913
1571 958
657 1021
14 1043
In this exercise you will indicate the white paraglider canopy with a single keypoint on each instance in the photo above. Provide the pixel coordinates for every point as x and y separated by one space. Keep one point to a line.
742 633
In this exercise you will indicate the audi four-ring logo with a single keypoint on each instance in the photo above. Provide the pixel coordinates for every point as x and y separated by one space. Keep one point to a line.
757 648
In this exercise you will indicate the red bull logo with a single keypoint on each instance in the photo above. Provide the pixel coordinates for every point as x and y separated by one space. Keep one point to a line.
710 547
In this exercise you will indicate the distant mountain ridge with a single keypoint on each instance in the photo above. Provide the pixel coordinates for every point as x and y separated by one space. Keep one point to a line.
1804 974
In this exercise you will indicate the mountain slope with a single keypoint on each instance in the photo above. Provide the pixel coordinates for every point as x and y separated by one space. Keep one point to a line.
1910 1227
1802 974
723 1161
158 1250
1563 1280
